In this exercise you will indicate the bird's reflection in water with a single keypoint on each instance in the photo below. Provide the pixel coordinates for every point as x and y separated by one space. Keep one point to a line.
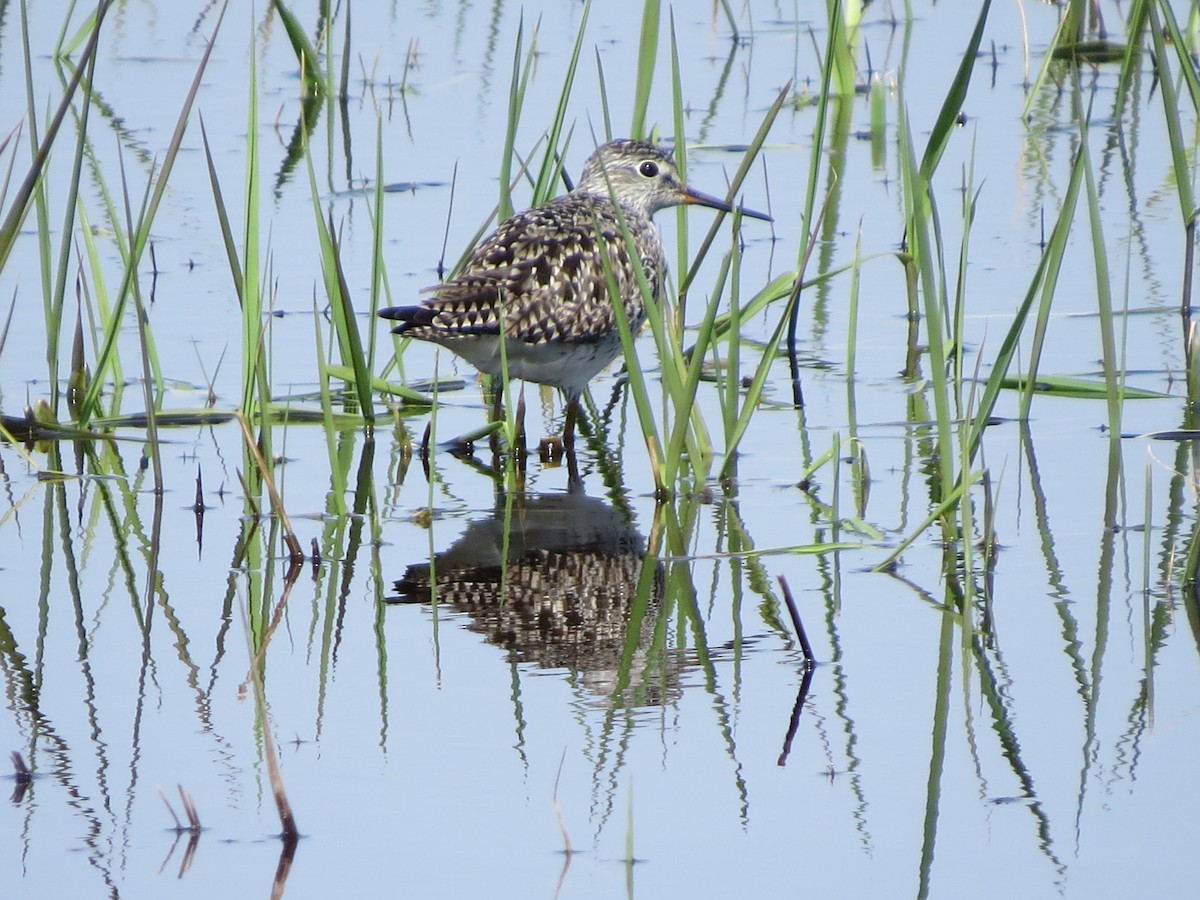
569 591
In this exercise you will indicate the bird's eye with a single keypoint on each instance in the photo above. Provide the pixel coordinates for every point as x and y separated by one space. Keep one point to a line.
648 169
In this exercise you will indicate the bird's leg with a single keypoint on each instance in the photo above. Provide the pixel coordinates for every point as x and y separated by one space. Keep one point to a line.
497 400
568 437
553 448
574 482
519 437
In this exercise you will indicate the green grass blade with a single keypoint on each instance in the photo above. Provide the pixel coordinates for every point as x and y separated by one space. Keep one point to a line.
943 509
637 381
256 389
546 186
1075 387
1108 345
843 25
19 207
947 120
235 266
306 55
378 270
516 101
1180 148
1043 283
735 185
605 113
142 235
647 53
925 249
681 218
1187 68
337 474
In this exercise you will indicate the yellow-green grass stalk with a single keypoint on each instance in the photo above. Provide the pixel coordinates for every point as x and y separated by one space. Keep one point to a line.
514 442
52 298
779 288
736 410
95 290
784 328
1168 33
937 753
1113 377
734 34
58 293
877 104
647 55
602 84
673 372
337 291
1181 151
852 335
31 189
550 172
1191 561
256 390
681 218
689 430
245 274
516 101
255 295
336 473
807 229
843 20
967 521
753 148
730 386
343 91
121 228
140 234
379 282
941 512
970 200
925 245
1043 284
1060 38
306 55
947 120
381 385
637 381
64 47
755 389
681 370
151 371
6 143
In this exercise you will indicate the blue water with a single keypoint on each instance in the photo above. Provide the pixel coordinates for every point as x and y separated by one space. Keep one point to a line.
423 752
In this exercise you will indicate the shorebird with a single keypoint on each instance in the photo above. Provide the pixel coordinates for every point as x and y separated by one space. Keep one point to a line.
539 281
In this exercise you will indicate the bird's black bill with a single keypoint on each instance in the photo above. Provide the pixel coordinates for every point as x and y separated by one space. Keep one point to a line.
696 198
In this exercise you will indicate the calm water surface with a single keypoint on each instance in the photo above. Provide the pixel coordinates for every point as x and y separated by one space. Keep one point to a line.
444 751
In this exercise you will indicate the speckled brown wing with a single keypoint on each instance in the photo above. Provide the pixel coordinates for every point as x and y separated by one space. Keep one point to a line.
542 268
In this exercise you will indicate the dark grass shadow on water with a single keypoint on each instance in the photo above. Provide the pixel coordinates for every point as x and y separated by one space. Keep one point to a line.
620 616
